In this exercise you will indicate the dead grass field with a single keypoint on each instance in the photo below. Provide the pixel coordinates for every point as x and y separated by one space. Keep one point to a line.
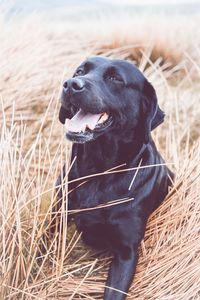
35 57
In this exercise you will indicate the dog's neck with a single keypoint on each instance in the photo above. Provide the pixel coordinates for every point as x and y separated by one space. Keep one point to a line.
106 153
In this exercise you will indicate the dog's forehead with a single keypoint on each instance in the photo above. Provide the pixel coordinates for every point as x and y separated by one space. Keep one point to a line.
95 62
128 69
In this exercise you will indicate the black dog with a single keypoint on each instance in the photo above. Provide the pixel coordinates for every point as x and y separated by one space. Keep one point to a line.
109 110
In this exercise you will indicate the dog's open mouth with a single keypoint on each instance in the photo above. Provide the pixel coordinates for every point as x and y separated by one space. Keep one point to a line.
82 121
84 125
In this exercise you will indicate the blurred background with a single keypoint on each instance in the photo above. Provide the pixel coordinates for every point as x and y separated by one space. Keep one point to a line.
42 42
78 10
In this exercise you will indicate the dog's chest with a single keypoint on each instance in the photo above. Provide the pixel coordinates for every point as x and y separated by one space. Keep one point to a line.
95 205
100 191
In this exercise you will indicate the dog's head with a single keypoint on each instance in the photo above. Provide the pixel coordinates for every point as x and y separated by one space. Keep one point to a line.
106 95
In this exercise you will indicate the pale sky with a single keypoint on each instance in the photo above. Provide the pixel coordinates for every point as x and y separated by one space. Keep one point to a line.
140 2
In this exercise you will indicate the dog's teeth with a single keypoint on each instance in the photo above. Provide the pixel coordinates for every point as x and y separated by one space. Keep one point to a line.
103 118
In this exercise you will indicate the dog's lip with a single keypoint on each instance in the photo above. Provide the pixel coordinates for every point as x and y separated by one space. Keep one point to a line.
80 137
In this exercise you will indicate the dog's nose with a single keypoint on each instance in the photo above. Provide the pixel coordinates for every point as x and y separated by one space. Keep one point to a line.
74 85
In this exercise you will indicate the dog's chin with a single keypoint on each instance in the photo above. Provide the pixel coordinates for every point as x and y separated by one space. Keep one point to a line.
80 137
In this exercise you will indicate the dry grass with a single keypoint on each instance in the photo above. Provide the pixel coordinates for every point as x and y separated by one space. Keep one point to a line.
34 59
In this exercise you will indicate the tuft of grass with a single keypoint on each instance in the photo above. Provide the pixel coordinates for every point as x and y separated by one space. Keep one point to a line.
35 59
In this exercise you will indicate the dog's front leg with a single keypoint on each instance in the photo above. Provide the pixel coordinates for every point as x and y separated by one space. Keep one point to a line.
120 276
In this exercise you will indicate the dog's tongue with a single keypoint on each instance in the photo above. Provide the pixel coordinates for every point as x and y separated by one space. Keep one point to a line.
81 121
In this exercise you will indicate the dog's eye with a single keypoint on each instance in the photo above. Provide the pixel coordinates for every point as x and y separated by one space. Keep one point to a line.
115 78
79 72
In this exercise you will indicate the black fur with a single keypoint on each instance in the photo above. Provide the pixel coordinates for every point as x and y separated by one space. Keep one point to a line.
120 89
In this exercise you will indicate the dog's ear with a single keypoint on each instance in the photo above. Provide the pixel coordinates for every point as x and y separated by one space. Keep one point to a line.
64 114
153 115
